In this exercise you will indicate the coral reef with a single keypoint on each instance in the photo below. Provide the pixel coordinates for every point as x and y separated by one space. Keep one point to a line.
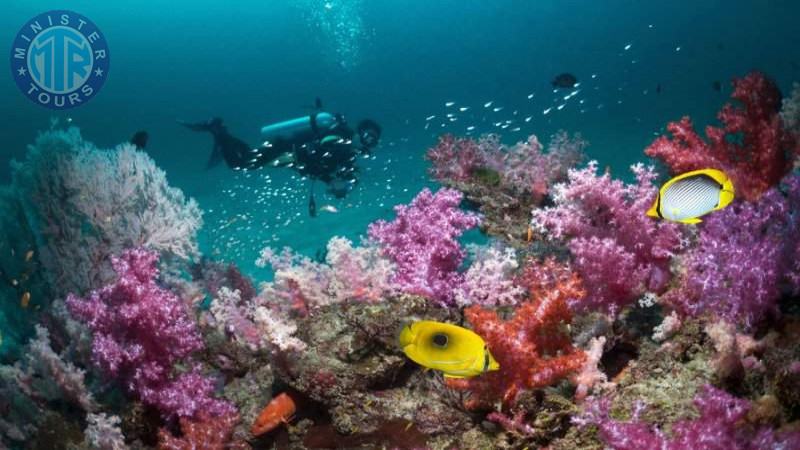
421 241
85 204
533 348
744 255
489 281
505 183
206 432
348 272
141 332
611 329
718 427
618 251
103 433
753 147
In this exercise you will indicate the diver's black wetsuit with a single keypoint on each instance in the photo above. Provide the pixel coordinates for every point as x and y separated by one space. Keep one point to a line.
329 157
236 153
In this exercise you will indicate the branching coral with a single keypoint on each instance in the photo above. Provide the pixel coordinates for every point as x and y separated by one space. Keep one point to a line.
48 366
743 256
618 251
46 375
207 432
348 272
590 376
458 158
489 281
29 386
530 171
533 348
300 286
721 425
422 243
753 147
85 204
504 182
141 332
524 167
103 433
230 316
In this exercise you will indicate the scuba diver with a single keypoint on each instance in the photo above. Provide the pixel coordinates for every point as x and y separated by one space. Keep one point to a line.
320 146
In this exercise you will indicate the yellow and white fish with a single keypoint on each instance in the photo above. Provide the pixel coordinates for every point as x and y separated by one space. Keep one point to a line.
456 351
691 195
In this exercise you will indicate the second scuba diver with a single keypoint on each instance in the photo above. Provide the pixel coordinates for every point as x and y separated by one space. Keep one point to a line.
320 146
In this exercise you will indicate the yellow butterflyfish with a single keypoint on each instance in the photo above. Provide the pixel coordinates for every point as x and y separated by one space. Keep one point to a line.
456 351
691 195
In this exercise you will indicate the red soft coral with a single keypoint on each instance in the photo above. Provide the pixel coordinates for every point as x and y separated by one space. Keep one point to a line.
205 433
533 348
752 147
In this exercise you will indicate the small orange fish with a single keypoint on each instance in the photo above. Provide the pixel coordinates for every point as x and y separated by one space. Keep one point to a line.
26 298
29 255
530 234
280 410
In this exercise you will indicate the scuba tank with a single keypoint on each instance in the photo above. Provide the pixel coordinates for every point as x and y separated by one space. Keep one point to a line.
300 130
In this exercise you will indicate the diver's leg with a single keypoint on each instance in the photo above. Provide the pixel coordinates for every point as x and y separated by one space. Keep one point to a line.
273 156
199 126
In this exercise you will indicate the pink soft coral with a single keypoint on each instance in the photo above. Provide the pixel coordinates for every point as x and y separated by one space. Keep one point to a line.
422 243
720 426
752 147
745 254
619 252
141 332
455 158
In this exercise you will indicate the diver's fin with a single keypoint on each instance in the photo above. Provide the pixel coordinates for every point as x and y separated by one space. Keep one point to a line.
216 158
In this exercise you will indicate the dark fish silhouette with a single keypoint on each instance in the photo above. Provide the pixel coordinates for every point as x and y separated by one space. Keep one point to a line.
312 206
564 80
716 85
140 139
658 88
317 106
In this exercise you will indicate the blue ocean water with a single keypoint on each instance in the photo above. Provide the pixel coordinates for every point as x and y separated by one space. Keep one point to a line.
254 63
418 68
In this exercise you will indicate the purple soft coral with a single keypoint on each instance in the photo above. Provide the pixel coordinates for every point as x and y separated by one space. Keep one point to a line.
619 252
743 256
422 242
141 331
718 427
